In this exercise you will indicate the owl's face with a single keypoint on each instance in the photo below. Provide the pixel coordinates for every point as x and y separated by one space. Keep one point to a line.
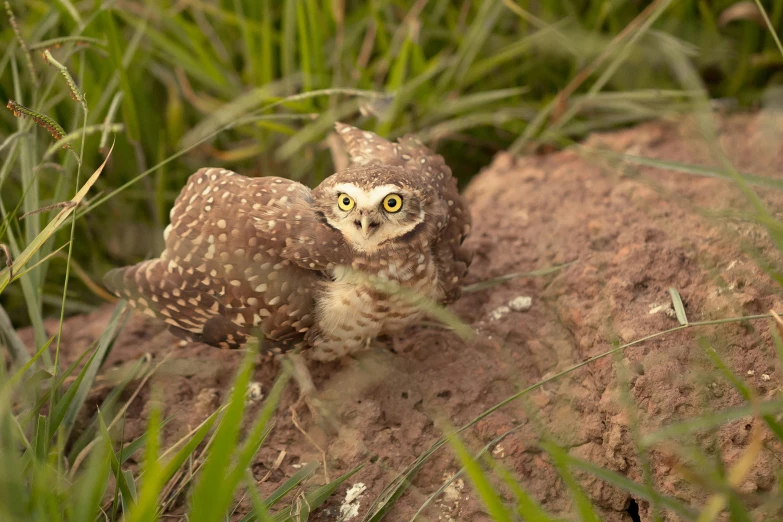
371 209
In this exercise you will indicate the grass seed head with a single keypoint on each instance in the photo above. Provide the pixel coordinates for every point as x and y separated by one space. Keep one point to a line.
27 56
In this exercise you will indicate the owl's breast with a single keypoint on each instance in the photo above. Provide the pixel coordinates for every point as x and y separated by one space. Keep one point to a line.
358 305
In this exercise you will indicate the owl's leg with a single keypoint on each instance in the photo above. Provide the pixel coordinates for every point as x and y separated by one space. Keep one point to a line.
303 379
307 393
306 396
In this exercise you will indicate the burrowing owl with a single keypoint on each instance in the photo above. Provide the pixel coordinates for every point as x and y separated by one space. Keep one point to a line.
248 256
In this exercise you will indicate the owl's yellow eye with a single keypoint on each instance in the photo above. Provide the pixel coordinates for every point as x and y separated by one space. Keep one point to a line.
392 203
345 202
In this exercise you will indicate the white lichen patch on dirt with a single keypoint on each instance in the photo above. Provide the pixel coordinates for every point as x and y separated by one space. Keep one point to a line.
499 313
449 503
521 303
350 507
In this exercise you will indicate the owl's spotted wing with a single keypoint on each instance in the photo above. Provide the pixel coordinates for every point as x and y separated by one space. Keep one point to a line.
309 242
222 276
451 256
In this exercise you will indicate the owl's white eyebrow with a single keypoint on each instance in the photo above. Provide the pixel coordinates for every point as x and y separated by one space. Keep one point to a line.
364 198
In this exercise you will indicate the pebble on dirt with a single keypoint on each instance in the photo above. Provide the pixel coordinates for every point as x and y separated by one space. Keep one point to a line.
521 303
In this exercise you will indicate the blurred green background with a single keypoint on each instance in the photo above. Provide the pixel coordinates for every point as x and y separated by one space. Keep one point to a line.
254 86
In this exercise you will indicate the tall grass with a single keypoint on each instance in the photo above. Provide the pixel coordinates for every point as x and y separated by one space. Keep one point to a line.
141 94
182 85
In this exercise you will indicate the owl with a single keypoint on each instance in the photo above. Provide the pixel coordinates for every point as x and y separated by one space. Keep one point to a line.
270 258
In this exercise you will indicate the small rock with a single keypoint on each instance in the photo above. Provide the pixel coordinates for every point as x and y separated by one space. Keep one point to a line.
627 334
521 303
751 373
765 377
665 308
499 312
255 392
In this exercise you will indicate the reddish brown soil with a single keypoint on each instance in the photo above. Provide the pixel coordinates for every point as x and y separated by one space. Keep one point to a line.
631 235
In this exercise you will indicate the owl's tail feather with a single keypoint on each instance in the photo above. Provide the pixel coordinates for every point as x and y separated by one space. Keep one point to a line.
155 291
190 312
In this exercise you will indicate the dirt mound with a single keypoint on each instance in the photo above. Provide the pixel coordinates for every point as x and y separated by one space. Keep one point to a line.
629 237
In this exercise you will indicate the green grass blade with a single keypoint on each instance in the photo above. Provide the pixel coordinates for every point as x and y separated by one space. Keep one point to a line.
316 21
41 441
679 308
288 39
27 254
297 478
184 453
583 505
711 420
259 512
107 405
210 501
286 487
775 329
314 499
132 447
770 26
125 486
129 111
305 50
483 285
59 380
16 348
104 344
479 31
474 101
696 170
152 484
255 438
91 486
397 75
638 491
128 500
527 507
267 64
391 493
491 444
63 406
21 372
741 387
486 491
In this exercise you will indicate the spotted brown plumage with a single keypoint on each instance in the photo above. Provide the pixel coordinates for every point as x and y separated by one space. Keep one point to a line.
248 256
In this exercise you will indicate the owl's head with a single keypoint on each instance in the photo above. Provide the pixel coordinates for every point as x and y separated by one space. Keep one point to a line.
374 207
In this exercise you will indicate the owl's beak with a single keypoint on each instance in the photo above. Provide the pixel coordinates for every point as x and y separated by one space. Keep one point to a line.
365 221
